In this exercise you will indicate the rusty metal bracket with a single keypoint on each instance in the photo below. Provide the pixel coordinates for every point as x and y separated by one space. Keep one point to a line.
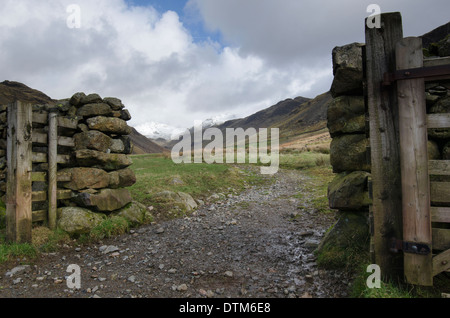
409 247
430 72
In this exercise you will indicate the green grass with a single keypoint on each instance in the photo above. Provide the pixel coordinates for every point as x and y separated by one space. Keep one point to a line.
110 227
303 160
397 289
156 173
10 251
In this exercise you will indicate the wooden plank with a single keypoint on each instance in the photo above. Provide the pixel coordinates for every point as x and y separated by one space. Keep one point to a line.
39 157
52 168
440 214
440 193
42 138
385 158
438 121
42 158
414 162
18 197
40 118
441 239
441 262
39 176
40 215
65 122
39 196
439 167
436 61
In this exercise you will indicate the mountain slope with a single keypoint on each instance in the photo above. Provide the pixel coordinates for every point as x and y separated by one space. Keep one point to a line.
291 116
12 91
294 117
143 145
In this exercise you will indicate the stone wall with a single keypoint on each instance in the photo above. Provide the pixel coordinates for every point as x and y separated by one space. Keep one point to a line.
348 192
97 171
348 126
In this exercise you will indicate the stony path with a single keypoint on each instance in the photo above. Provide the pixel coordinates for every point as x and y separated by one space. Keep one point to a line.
257 244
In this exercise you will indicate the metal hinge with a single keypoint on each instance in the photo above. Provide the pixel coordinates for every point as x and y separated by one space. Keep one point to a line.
419 72
410 247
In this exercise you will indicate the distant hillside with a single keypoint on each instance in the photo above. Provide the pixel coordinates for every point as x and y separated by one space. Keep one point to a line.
12 91
143 145
293 117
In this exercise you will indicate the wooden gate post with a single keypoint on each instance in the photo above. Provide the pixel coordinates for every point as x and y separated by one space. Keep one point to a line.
414 162
18 186
52 168
384 142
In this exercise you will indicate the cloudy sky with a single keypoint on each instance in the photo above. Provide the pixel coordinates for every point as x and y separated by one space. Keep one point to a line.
176 61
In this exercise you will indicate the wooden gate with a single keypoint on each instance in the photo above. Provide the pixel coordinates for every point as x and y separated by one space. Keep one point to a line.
410 213
32 163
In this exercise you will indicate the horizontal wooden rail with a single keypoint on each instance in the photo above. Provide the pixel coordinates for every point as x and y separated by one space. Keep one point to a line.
41 138
440 214
42 158
441 239
39 196
66 122
40 215
438 121
38 177
440 192
439 61
42 177
439 167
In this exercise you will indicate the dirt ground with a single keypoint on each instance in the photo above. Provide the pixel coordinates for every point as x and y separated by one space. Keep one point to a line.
257 244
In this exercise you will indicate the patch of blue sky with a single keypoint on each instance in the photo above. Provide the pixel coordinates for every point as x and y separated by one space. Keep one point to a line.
190 18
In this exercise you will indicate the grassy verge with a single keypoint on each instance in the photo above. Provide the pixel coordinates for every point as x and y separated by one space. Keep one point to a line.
398 289
156 173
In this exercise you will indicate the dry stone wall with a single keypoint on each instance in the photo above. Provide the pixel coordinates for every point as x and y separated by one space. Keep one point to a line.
347 125
350 153
97 170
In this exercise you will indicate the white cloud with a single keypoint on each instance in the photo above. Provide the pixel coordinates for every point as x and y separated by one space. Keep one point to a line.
152 62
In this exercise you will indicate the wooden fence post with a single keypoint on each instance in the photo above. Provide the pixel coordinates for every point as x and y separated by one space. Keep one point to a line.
18 193
414 162
52 168
384 142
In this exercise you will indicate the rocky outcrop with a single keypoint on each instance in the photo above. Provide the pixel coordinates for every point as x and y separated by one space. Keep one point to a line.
347 70
349 153
135 213
348 191
346 115
76 221
174 202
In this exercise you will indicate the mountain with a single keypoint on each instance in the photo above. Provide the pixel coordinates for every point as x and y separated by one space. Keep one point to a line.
292 116
143 145
156 131
435 35
12 91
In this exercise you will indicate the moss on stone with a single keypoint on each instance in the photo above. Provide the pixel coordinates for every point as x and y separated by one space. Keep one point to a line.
346 243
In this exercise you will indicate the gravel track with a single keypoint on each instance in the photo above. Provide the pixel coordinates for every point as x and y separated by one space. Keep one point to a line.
257 244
